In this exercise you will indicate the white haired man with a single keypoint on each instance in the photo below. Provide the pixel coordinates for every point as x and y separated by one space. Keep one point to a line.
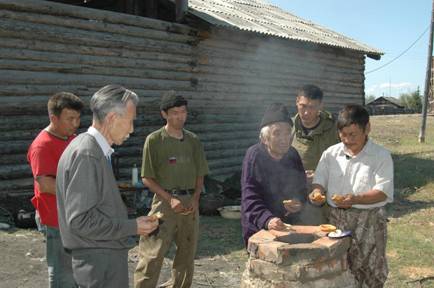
93 219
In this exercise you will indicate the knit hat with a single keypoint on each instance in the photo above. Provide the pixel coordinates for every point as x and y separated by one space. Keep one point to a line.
276 112
170 100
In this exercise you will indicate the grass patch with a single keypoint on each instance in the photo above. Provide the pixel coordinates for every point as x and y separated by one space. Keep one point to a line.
410 247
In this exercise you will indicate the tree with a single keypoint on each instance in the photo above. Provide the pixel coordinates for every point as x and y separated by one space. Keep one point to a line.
412 100
369 98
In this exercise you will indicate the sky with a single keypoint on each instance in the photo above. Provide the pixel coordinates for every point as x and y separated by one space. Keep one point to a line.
388 25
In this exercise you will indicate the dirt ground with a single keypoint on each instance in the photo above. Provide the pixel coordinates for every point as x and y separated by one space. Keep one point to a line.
23 264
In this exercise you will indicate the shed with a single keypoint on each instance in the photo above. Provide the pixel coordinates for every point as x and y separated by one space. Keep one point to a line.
385 106
229 58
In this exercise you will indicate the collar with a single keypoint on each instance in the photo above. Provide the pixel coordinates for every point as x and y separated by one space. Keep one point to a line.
367 149
165 134
326 123
102 142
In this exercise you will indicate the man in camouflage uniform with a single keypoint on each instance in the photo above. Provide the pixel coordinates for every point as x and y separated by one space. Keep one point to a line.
357 177
314 128
314 131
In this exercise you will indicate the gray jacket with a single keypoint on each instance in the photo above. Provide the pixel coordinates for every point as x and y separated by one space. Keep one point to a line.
91 211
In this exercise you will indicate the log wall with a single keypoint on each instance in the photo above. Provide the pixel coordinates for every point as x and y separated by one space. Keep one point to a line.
227 76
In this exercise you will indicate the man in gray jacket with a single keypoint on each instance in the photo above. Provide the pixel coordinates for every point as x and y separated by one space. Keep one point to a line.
93 220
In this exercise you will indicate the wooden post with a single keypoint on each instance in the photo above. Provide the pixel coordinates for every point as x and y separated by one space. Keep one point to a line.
427 81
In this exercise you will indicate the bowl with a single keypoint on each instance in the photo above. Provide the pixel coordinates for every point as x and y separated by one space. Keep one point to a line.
230 212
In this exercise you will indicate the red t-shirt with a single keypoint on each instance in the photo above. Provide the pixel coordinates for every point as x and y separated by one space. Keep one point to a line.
43 156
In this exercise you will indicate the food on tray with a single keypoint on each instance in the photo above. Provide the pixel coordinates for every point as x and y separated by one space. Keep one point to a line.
327 228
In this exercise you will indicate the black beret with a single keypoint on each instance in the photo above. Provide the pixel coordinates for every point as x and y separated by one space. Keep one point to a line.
171 100
276 112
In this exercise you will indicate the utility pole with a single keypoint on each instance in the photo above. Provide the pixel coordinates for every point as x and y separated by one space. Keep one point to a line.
427 81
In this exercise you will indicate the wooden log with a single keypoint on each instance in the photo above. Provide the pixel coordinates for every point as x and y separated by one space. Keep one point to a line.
13 28
99 26
52 57
63 10
28 78
16 185
14 171
83 49
86 69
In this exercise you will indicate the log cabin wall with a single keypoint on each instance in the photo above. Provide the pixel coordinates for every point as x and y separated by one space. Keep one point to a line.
227 76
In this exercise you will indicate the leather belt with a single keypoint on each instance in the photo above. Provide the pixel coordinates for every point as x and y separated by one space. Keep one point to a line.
181 192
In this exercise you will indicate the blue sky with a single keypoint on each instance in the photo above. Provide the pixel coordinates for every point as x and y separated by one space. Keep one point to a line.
389 25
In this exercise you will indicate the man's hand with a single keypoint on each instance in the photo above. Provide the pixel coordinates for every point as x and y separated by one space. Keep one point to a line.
317 198
292 206
176 205
145 225
193 207
275 224
346 201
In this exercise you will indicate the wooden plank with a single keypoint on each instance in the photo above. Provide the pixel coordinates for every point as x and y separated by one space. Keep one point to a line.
13 28
98 26
63 10
83 49
89 61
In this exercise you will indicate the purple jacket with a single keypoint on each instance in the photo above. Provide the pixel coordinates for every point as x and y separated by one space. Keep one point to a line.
265 183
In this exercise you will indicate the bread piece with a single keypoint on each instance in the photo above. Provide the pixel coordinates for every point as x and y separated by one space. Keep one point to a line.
338 198
327 228
156 216
317 196
287 201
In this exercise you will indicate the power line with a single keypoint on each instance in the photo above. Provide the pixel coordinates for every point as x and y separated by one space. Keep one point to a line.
402 53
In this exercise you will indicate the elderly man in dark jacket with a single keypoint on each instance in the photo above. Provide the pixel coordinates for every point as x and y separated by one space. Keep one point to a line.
272 172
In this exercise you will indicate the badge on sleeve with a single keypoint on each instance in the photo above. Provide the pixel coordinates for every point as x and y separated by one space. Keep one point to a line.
172 160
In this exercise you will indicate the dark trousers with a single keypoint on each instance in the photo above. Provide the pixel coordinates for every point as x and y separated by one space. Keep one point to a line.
100 268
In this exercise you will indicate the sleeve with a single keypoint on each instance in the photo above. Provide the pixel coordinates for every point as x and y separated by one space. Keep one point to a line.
384 177
200 159
148 160
321 175
42 162
252 199
302 183
82 210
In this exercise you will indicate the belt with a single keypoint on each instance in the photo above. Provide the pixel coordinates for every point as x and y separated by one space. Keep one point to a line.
180 192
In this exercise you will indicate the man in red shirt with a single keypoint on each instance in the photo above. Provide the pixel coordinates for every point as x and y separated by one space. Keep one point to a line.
43 156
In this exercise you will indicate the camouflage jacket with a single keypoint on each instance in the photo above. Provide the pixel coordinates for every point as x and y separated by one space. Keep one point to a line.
311 146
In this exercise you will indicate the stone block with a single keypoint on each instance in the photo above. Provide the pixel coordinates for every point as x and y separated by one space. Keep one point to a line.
324 269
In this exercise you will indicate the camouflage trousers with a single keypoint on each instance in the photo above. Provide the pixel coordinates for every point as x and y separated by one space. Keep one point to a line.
367 254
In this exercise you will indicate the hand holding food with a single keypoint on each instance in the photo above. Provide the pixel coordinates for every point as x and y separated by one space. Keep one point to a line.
145 225
276 224
157 216
292 206
338 198
316 197
343 201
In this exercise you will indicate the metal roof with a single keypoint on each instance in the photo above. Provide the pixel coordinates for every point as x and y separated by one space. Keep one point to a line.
264 18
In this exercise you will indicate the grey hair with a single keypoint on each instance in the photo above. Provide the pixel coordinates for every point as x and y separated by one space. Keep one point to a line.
111 98
264 134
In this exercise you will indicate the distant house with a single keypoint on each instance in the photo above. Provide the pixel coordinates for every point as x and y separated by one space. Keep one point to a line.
385 106
229 58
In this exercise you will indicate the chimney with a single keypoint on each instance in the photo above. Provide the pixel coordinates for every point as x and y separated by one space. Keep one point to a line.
181 10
